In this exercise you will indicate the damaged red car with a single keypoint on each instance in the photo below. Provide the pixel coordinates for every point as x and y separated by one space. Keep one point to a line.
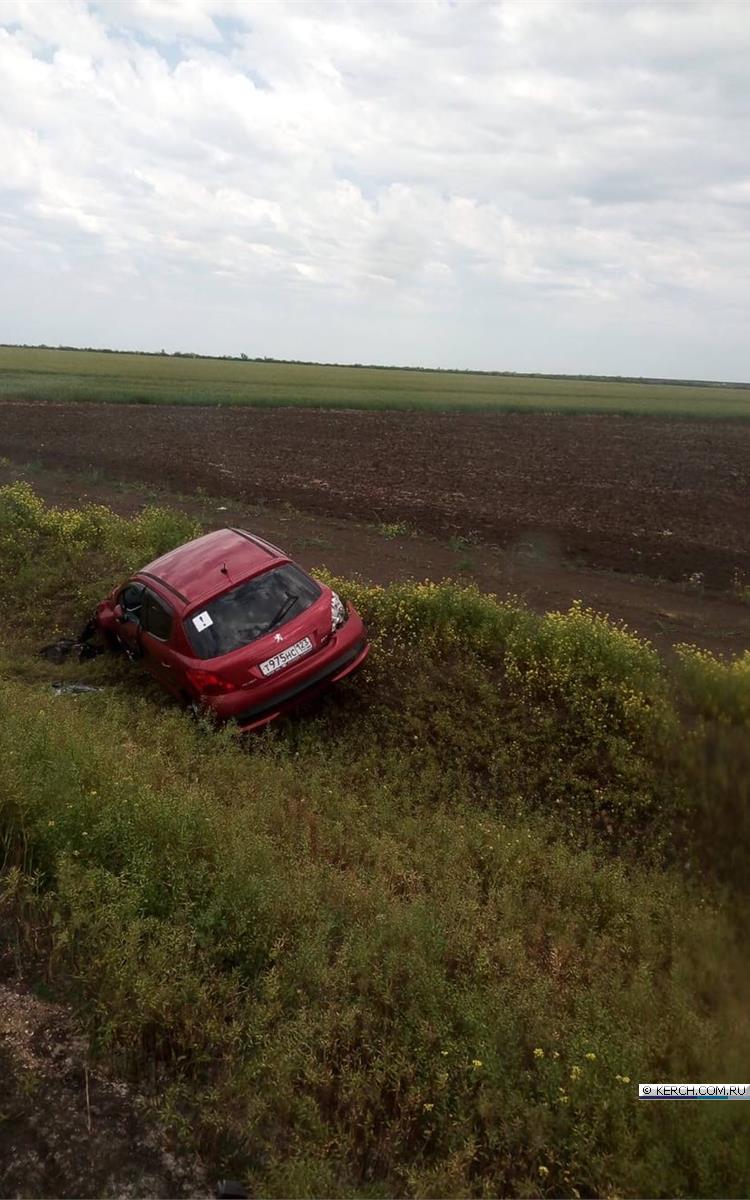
232 627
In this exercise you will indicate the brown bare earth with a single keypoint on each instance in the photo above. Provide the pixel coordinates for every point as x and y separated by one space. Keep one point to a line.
666 498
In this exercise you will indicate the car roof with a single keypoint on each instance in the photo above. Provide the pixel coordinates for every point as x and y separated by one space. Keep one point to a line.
211 564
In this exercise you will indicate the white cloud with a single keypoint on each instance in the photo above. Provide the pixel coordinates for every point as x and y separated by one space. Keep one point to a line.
533 186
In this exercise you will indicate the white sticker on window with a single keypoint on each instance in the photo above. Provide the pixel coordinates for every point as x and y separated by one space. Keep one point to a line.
202 621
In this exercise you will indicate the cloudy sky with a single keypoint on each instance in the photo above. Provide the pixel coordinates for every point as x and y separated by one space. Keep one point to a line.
551 186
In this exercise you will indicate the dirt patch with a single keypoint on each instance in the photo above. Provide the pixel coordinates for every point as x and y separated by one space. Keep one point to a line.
664 498
68 1130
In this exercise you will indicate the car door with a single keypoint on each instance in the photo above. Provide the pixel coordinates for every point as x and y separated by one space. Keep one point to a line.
128 611
157 624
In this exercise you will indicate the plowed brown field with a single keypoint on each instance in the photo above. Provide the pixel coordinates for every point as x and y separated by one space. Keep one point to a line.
665 498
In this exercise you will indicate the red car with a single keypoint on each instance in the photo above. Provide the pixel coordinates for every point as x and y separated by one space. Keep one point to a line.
231 626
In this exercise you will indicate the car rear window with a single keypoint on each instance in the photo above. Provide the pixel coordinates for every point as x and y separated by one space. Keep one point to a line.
250 610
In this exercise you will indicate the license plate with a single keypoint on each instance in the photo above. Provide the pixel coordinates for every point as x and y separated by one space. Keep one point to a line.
284 657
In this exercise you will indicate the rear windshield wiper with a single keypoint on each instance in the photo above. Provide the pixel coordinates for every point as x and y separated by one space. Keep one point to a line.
288 603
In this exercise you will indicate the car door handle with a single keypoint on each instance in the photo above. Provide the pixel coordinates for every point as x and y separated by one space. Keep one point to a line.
167 665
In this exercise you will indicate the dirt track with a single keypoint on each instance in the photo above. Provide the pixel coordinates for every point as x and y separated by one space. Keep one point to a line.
664 498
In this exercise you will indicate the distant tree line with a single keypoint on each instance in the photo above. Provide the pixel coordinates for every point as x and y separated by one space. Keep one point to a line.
304 362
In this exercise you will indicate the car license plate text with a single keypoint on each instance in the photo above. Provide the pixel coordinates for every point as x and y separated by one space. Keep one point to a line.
284 657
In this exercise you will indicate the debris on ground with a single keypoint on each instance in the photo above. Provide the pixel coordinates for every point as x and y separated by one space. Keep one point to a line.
74 689
65 648
81 647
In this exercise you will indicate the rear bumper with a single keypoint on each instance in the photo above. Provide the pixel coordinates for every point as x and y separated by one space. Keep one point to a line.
251 707
343 665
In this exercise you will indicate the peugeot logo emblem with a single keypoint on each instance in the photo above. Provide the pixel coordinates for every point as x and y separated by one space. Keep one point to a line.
279 637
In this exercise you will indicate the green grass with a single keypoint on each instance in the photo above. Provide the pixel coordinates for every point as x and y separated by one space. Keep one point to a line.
423 939
394 529
60 375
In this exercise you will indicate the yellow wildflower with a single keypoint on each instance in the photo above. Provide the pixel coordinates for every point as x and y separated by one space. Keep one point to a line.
538 1052
476 1063
590 1056
428 1107
575 1072
544 1172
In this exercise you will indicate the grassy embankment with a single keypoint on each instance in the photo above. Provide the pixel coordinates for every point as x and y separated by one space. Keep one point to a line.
422 939
60 375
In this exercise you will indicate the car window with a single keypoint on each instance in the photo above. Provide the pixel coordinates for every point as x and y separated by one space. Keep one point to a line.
131 599
156 617
250 610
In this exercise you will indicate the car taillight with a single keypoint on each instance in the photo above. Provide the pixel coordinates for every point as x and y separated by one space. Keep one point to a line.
208 683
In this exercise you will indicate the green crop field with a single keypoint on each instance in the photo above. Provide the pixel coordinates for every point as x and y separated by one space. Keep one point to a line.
423 939
59 375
